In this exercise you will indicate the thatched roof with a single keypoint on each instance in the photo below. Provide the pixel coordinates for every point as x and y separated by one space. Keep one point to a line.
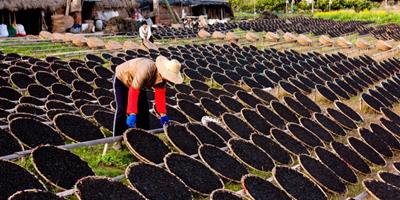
198 2
15 5
108 4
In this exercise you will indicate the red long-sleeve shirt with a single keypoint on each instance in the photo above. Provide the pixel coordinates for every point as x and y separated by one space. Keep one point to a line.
159 97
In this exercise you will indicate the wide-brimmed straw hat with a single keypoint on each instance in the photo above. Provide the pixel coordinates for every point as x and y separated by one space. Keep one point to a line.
169 69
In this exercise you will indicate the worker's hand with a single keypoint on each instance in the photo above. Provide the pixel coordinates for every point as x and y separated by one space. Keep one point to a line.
131 121
165 120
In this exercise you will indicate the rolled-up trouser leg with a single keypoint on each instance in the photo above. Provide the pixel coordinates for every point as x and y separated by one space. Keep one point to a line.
143 116
121 99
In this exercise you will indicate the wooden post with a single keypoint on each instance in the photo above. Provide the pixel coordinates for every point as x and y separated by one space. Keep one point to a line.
312 7
286 6
254 9
156 11
68 7
171 12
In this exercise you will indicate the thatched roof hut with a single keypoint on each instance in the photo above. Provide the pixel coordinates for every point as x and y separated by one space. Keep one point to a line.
113 4
214 9
16 5
51 5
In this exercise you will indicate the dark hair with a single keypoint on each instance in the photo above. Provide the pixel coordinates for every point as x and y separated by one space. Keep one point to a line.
143 23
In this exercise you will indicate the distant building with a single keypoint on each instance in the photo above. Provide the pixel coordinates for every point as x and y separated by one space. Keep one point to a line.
29 12
214 9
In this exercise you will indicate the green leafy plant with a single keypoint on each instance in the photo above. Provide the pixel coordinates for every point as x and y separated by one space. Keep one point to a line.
380 17
260 5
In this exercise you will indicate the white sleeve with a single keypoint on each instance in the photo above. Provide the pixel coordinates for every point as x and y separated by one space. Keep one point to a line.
149 33
141 34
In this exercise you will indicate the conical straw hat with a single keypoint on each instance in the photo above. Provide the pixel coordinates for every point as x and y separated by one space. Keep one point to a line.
169 69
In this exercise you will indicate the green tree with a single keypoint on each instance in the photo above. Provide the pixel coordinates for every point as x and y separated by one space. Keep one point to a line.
279 5
236 4
261 5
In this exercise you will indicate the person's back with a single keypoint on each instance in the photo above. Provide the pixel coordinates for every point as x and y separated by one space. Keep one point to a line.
138 73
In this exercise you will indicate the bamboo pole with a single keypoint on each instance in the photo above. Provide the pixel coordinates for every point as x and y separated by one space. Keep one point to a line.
361 196
75 145
171 12
5 44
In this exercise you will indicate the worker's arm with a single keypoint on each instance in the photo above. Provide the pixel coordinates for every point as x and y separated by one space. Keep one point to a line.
133 96
149 33
160 98
141 34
